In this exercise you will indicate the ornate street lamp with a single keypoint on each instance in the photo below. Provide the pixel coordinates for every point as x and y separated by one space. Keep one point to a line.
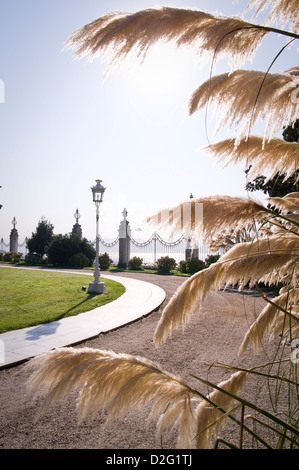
96 286
77 216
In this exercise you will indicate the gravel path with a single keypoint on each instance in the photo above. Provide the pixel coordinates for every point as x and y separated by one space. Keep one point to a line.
213 335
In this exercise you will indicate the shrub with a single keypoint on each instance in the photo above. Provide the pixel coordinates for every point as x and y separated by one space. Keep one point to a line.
165 264
193 265
79 260
211 259
11 257
105 261
17 257
183 266
33 259
8 257
135 263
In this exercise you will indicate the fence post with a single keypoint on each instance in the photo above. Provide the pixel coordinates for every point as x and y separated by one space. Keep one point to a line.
124 241
155 247
190 251
14 238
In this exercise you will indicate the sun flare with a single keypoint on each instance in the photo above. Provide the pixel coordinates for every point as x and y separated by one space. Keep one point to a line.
164 68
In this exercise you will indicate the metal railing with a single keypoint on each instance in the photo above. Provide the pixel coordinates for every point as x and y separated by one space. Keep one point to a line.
150 250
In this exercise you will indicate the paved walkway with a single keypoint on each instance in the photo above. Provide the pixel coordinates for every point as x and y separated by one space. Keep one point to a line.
139 299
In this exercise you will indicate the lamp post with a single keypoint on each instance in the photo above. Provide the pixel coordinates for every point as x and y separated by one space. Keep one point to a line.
96 286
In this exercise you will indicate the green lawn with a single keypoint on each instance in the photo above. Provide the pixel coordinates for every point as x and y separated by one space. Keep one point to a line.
32 297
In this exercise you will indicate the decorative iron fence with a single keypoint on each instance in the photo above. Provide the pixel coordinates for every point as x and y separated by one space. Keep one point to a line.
112 248
155 247
150 250
22 247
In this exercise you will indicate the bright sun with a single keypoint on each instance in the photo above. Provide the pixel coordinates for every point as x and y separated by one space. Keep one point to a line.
163 69
161 84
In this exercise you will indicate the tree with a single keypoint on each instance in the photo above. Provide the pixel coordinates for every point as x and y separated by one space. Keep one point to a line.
242 97
278 186
64 247
40 239
291 133
275 187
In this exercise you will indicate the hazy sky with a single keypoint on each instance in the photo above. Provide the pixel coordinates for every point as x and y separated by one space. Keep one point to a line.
62 127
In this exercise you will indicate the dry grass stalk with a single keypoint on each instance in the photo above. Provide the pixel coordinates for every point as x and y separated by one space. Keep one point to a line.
281 11
286 328
229 93
288 207
229 238
119 381
288 204
208 417
269 260
270 318
275 156
123 382
124 33
218 215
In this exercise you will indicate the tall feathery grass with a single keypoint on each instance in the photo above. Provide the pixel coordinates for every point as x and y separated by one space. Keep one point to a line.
118 34
281 12
273 157
263 240
267 98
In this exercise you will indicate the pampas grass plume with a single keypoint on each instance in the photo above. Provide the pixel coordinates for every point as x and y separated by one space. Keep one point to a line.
273 157
123 382
266 97
120 382
267 260
208 423
282 11
218 215
137 32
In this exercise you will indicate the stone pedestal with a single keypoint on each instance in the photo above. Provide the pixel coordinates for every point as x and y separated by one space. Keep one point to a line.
191 251
14 241
124 232
96 288
77 230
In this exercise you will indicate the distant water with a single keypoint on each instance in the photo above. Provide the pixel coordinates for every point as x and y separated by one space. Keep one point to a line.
147 253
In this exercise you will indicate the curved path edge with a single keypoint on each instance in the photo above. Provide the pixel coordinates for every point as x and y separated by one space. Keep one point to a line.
140 299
